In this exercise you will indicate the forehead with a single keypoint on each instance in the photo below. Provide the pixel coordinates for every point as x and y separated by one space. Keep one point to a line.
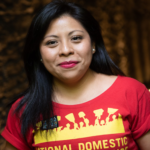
64 23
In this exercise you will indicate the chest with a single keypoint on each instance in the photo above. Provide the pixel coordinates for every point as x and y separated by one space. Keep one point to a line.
95 126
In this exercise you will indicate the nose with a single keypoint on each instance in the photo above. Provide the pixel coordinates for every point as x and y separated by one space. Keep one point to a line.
66 49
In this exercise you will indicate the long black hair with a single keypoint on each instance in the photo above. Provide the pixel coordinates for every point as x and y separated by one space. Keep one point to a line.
38 97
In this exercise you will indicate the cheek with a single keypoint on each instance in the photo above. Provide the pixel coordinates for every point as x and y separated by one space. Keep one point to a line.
48 55
86 51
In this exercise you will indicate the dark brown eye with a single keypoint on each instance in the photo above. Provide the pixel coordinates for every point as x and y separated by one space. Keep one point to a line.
51 42
76 38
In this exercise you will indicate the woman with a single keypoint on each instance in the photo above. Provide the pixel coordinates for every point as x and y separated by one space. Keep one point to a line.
77 98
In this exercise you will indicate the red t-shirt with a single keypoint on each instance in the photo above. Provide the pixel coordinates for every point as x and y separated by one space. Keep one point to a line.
112 121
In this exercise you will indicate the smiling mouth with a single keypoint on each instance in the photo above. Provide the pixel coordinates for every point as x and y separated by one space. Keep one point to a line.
68 64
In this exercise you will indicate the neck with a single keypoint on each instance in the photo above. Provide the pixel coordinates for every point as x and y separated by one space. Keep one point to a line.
72 91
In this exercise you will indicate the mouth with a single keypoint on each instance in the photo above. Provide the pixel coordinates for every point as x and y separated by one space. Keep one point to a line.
68 64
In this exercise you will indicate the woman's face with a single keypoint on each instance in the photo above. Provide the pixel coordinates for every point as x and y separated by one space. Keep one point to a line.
66 49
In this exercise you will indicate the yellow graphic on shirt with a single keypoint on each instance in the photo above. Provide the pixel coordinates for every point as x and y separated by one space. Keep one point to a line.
101 127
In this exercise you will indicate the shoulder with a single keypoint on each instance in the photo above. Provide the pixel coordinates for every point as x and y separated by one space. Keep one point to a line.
15 105
128 81
131 86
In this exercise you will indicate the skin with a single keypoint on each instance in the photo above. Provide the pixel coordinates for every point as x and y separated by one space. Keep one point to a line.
71 43
74 85
144 141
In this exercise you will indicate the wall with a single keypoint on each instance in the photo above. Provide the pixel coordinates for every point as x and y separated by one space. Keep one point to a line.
125 28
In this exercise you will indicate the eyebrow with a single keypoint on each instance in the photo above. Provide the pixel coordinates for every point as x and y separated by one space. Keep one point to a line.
68 34
75 31
51 36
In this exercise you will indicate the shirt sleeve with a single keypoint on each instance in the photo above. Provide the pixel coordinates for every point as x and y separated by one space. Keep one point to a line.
12 132
142 117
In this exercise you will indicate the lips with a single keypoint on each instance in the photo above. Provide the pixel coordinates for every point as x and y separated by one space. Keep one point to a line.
68 64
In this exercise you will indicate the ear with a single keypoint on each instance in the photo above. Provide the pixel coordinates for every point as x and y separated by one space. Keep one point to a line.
93 48
93 45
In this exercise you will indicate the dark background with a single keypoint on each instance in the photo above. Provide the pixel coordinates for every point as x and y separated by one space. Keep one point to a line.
125 28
